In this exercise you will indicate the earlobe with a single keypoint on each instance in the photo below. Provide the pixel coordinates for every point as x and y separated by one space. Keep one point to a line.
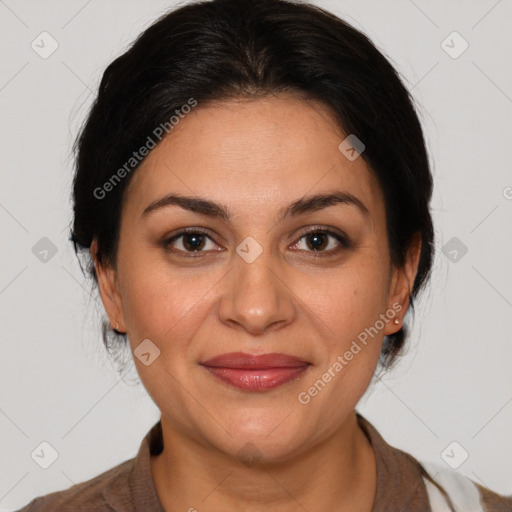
395 306
107 285
402 284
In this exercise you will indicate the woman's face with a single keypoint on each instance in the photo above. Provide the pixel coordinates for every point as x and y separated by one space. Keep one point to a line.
252 280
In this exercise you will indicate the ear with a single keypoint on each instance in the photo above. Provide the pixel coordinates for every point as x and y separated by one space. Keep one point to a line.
107 283
401 284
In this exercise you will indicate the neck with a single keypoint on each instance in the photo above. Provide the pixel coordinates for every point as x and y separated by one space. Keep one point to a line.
338 474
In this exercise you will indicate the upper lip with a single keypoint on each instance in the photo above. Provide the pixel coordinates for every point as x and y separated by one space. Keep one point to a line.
254 362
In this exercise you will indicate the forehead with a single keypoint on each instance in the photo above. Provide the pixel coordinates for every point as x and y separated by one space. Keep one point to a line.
259 153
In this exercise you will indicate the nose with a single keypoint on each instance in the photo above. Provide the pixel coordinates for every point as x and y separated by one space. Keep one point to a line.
256 296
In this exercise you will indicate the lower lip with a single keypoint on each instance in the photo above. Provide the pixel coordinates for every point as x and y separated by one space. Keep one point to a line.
257 380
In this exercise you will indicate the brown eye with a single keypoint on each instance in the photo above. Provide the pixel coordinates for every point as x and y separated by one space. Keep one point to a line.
322 241
189 241
317 241
193 241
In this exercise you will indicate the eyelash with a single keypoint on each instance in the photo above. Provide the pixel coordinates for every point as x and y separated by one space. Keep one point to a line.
342 239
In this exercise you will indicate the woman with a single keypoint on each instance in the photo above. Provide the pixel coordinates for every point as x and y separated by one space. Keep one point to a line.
253 188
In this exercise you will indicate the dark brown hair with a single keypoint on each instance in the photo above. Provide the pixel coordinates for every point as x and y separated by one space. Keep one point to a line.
214 50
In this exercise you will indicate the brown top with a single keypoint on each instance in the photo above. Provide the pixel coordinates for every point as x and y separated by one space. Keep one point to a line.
129 487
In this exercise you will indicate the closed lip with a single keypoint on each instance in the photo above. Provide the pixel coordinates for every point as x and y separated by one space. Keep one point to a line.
241 360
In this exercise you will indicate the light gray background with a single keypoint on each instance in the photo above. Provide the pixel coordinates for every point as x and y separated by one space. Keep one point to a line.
57 384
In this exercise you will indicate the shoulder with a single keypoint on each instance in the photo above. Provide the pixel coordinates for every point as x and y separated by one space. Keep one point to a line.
445 486
494 502
407 483
88 495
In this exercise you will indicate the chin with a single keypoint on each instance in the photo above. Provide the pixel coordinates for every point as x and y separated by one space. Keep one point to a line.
264 443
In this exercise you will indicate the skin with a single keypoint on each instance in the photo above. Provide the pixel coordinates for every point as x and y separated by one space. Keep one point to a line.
256 157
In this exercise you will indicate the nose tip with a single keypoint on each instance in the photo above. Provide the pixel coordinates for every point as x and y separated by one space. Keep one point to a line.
254 296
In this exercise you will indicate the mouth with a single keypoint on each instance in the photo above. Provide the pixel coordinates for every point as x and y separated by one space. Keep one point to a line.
256 372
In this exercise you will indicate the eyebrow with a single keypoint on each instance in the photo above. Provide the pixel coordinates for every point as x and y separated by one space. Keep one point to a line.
299 207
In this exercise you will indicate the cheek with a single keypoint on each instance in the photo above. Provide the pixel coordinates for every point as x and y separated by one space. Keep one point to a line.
347 300
159 307
153 300
164 303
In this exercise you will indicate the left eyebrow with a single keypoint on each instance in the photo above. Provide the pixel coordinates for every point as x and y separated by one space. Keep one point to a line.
299 207
321 201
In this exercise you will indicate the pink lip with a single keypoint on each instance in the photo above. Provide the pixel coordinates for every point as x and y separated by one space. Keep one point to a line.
253 372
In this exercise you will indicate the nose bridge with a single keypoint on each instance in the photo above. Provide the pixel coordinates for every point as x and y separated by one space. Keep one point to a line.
255 297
